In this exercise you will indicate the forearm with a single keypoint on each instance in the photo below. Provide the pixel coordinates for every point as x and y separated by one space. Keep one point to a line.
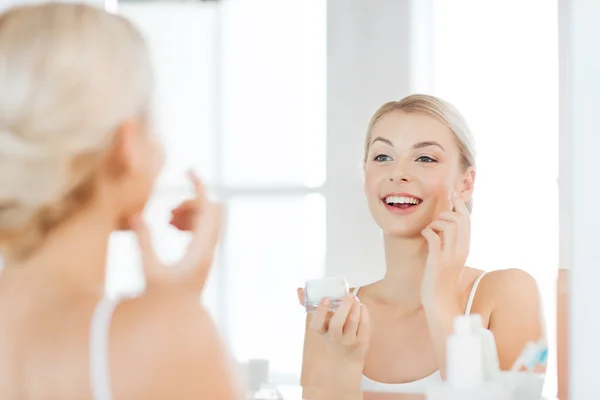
343 376
441 325
329 381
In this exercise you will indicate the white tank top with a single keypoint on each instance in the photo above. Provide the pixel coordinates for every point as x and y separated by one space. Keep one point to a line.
99 371
420 386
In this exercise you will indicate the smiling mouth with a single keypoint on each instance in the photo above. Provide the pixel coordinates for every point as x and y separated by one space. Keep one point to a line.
402 202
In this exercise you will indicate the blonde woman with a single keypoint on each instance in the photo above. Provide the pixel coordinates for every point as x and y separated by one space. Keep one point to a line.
419 166
78 160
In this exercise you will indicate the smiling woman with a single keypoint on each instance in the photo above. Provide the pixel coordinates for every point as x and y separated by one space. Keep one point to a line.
419 167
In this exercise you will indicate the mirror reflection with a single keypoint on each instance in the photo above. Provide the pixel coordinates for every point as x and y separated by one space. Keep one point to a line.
300 181
388 182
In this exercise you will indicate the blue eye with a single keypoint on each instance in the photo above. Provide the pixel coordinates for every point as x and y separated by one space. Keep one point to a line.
382 158
426 159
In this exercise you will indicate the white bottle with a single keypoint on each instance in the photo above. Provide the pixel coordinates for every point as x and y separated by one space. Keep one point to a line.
491 363
464 356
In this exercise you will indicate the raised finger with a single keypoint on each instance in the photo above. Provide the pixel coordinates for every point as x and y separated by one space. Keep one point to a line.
462 231
199 189
201 249
336 325
459 205
433 241
319 321
351 326
447 231
362 333
300 293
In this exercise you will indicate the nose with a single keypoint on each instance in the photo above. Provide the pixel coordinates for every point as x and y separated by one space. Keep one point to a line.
403 178
400 174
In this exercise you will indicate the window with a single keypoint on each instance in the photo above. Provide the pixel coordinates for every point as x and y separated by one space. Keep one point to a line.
505 81
245 108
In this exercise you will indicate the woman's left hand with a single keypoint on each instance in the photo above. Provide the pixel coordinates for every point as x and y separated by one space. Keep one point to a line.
182 217
202 218
449 239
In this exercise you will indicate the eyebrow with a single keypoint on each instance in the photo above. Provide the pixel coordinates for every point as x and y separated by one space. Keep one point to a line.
419 145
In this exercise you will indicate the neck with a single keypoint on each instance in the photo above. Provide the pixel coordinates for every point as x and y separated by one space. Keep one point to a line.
74 254
405 265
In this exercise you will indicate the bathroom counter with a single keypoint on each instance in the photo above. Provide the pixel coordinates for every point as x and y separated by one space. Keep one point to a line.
295 393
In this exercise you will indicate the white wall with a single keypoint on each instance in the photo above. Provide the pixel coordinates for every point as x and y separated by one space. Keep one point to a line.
506 85
368 45
580 193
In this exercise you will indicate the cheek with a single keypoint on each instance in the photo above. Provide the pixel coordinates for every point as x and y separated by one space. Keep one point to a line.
438 188
373 179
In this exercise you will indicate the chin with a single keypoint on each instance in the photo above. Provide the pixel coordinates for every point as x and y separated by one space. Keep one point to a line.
403 232
123 223
407 225
408 228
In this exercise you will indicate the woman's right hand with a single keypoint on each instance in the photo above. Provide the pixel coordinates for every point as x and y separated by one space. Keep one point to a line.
203 220
346 331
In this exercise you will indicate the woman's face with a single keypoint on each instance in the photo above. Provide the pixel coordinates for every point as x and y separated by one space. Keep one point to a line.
413 166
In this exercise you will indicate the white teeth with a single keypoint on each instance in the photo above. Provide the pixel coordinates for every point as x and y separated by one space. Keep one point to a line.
401 200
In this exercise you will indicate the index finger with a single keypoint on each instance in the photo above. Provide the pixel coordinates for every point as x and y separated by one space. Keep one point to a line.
300 293
319 319
459 205
199 190
201 249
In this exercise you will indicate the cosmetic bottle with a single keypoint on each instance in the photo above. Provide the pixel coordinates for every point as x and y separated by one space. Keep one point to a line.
465 366
489 351
464 354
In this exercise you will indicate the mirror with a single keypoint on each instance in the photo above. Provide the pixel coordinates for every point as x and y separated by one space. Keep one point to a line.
270 100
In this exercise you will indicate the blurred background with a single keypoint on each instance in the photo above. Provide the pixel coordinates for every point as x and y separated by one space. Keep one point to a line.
269 101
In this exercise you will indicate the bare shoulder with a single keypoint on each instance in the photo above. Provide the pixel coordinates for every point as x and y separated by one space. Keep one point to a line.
509 283
165 345
515 314
501 289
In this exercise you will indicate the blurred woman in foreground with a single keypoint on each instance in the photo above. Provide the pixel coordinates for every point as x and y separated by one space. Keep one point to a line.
78 160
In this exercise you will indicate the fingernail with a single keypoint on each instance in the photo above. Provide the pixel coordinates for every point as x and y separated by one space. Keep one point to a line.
326 301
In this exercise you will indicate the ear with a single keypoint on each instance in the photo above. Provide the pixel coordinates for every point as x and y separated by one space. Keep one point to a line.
467 184
124 157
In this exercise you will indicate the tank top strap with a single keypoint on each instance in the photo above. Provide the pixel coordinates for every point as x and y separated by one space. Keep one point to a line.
472 294
99 360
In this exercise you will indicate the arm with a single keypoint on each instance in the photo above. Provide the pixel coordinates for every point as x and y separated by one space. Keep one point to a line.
320 373
516 316
314 345
167 347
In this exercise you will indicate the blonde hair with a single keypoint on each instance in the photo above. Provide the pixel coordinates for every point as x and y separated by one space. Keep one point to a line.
70 74
441 110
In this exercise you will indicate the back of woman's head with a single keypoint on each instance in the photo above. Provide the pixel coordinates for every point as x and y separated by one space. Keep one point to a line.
70 74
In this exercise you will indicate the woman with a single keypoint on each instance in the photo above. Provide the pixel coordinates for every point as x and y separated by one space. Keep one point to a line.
419 167
78 161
